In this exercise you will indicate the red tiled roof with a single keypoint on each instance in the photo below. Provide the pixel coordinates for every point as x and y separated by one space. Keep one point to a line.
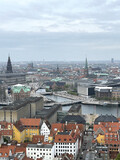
4 124
37 138
6 132
30 121
5 150
67 156
63 127
64 139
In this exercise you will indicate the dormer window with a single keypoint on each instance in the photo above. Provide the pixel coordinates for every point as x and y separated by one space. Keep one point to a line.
65 139
55 129
59 139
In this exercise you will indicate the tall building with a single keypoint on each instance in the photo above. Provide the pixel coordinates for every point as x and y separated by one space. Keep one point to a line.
112 60
9 66
10 78
86 68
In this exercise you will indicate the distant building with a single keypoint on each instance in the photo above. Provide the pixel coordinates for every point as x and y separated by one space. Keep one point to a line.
85 89
103 92
11 78
112 60
55 85
9 66
20 92
86 71
116 93
2 92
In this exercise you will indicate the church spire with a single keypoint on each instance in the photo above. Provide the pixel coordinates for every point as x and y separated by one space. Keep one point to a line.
9 66
86 68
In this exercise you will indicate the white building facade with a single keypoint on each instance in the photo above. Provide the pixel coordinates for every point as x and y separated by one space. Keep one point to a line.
66 144
45 151
45 131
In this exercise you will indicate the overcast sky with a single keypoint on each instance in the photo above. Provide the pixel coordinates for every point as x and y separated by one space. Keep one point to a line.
52 30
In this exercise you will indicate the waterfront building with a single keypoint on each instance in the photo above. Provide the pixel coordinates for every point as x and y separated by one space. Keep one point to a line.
85 89
116 93
103 92
25 128
40 150
20 91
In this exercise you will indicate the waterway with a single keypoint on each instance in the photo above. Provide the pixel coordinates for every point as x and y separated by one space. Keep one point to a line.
89 109
58 98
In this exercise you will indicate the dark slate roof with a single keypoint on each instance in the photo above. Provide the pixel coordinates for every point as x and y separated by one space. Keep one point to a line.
105 118
63 133
73 119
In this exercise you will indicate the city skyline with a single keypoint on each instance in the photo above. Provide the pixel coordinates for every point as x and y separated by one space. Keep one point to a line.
53 30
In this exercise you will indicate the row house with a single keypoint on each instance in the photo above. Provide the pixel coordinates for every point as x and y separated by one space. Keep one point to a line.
25 128
67 138
6 131
45 129
40 150
67 142
107 132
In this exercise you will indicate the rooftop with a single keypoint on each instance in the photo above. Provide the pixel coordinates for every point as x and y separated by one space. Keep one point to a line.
40 145
21 103
73 119
105 118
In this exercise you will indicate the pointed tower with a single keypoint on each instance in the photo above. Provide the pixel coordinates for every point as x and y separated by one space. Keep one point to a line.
58 71
9 66
86 68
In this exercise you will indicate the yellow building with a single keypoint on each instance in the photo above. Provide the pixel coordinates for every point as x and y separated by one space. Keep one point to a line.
101 139
25 128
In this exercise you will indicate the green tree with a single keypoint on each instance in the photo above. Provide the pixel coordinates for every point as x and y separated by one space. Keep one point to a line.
118 157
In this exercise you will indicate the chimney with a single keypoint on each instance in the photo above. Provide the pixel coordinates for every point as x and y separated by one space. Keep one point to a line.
66 123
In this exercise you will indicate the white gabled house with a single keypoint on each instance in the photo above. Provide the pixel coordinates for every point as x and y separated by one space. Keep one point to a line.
45 129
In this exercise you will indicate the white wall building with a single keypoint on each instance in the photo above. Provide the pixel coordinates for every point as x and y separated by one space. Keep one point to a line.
45 129
65 143
46 151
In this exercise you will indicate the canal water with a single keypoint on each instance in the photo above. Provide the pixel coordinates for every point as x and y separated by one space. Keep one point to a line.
58 98
89 109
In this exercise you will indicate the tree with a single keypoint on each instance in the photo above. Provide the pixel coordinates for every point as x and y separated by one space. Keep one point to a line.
118 157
